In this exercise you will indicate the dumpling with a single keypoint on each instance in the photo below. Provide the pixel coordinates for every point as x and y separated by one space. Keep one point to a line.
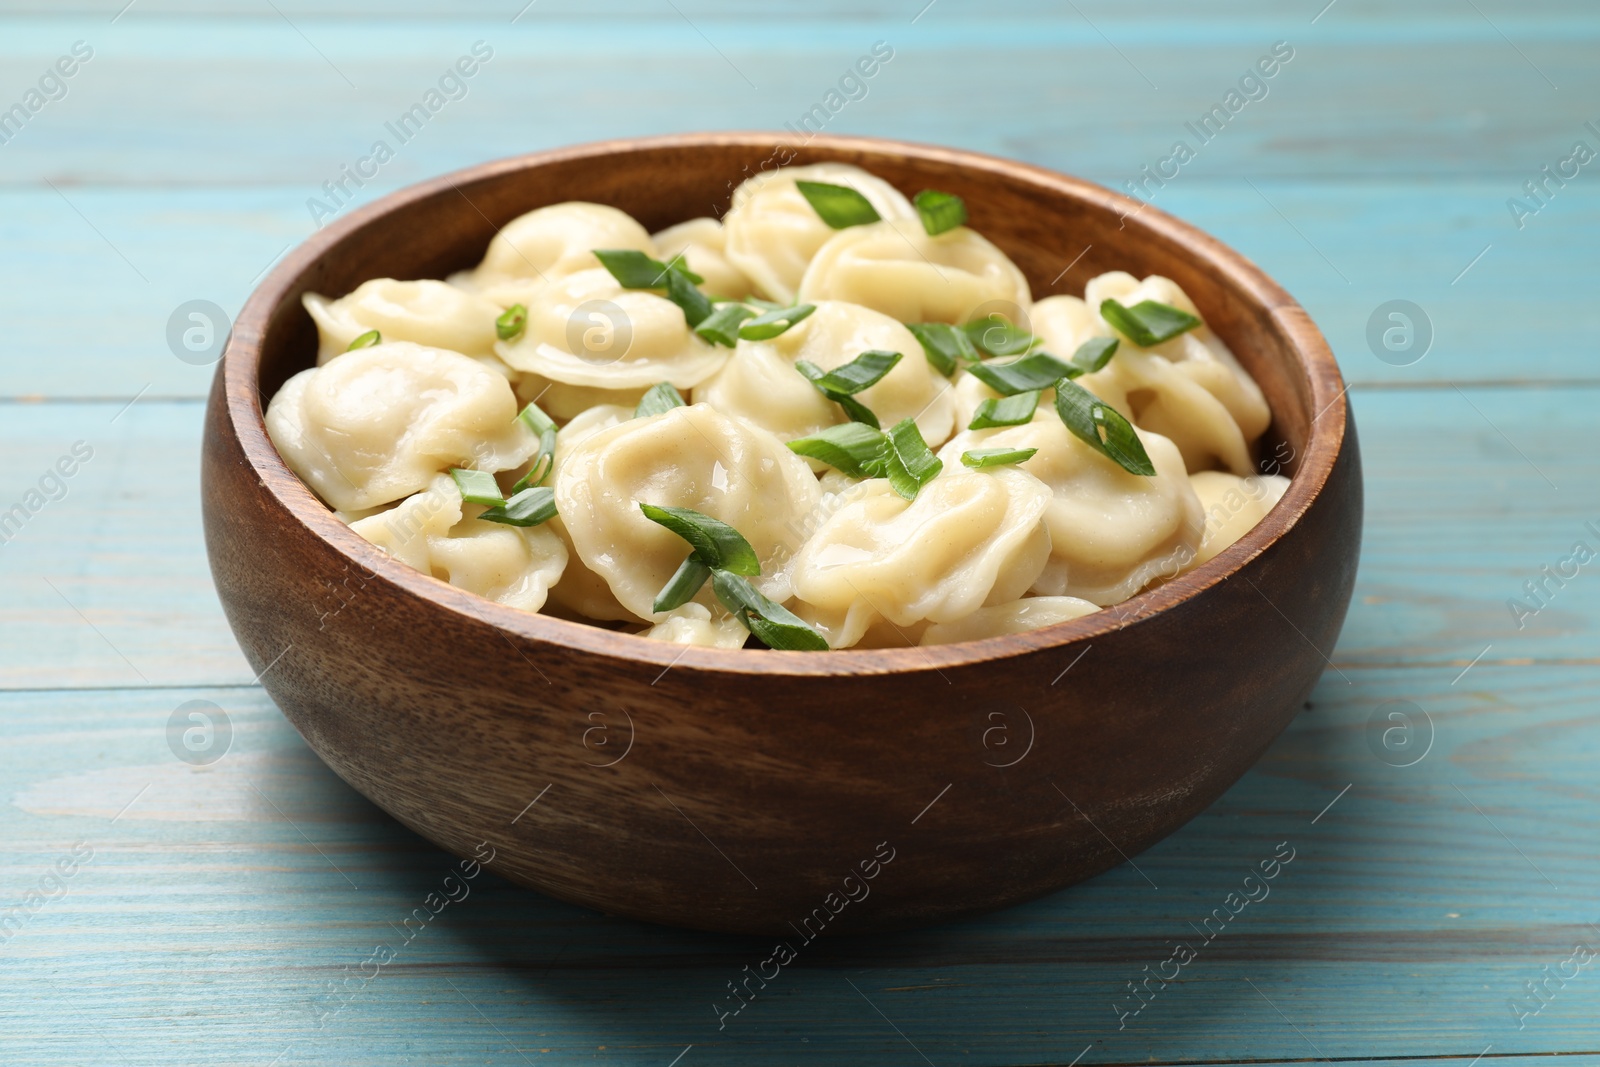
1233 505
703 244
587 330
426 312
378 423
760 382
1029 613
895 267
969 539
549 244
773 231
692 624
564 402
694 457
1111 532
435 533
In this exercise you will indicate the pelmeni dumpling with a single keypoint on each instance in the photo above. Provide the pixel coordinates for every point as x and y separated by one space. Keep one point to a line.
773 231
549 244
587 330
692 624
970 538
703 244
1111 532
426 312
1233 505
895 267
694 457
760 382
437 534
1029 613
564 402
378 423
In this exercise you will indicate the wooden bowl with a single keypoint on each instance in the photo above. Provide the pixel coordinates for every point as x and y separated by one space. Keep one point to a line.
782 793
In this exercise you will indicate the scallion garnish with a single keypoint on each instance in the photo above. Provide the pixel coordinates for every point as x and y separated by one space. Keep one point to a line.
1148 323
366 340
775 322
683 585
998 337
940 211
717 544
852 447
1094 354
511 324
543 425
527 507
947 347
1037 371
634 270
681 291
842 383
979 458
659 398
1099 425
721 327
838 205
774 624
1005 411
478 487
909 463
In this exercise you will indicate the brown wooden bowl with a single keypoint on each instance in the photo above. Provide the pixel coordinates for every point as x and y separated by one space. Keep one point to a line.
782 792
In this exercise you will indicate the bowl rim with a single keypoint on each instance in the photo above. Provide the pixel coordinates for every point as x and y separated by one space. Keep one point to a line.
239 371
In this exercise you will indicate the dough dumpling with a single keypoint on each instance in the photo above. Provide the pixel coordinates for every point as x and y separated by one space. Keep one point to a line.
969 539
692 624
773 231
378 423
436 533
565 403
1029 613
549 244
894 267
703 244
1232 506
426 312
760 383
1111 532
692 457
587 330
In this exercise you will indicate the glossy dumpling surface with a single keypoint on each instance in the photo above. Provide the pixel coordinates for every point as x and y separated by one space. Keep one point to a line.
551 243
703 244
426 312
1233 505
1018 616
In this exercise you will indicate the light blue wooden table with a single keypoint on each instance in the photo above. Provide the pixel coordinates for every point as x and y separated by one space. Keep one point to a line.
221 914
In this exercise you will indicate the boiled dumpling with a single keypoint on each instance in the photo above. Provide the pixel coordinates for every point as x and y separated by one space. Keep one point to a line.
693 457
1233 505
703 244
587 330
378 423
1019 616
895 267
1111 532
773 231
565 403
970 538
426 312
760 382
549 244
435 533
692 624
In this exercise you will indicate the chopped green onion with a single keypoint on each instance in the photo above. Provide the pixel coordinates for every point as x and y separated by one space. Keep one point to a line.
998 337
838 205
1005 411
366 340
979 458
773 623
683 585
529 507
1094 354
511 323
1148 323
681 291
863 372
478 487
1037 371
1097 424
852 447
721 327
543 425
947 347
775 322
910 464
715 543
634 270
940 211
760 304
660 398
535 418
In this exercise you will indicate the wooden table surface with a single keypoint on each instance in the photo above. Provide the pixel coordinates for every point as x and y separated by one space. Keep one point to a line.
224 913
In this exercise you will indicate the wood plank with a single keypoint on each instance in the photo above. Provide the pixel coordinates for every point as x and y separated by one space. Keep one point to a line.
216 909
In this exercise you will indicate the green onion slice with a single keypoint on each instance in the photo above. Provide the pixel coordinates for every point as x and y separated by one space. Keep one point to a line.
715 543
773 623
947 347
478 487
529 507
683 585
852 447
366 340
910 463
1005 411
660 398
721 327
1037 371
1094 354
998 337
838 205
940 211
634 270
979 458
511 323
1096 423
543 425
1148 323
775 322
